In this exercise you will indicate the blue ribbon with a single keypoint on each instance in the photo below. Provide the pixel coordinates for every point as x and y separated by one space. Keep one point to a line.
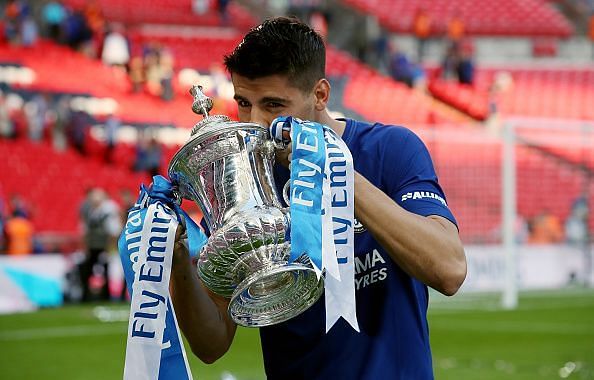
172 364
307 176
162 190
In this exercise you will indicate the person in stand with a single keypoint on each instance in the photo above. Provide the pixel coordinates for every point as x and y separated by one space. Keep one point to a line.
422 31
408 233
591 32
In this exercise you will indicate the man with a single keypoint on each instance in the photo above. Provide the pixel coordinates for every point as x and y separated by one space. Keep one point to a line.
407 240
19 234
101 222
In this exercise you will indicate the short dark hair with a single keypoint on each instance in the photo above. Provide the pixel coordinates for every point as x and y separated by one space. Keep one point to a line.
280 46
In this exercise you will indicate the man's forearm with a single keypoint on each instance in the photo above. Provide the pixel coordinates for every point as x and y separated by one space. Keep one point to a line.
427 248
203 320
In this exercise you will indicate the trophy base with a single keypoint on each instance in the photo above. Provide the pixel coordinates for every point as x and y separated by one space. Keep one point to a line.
275 294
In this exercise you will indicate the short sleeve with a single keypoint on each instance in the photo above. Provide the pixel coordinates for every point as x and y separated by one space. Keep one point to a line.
411 180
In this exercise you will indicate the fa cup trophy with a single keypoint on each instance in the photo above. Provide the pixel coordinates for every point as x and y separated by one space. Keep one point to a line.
226 168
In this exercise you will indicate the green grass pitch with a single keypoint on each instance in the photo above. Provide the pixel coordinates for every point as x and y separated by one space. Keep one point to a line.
550 336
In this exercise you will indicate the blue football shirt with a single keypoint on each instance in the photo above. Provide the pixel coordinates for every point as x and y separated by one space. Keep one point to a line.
391 305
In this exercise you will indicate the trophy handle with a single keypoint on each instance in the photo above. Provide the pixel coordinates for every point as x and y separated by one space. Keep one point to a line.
286 192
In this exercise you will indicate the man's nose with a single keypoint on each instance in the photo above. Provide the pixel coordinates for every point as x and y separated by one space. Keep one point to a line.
259 117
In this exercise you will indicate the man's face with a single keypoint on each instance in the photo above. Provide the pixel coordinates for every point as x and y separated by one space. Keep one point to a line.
263 99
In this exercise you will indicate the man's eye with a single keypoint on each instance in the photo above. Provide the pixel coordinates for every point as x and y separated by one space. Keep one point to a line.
243 103
274 105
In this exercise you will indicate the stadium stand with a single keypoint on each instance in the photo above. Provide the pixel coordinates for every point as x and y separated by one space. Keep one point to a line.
478 201
545 92
56 182
480 17
376 97
53 67
178 12
197 48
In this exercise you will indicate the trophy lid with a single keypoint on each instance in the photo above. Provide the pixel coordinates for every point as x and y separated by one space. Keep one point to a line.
202 105
208 128
215 124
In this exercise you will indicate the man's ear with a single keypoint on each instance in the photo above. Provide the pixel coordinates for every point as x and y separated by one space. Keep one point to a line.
322 94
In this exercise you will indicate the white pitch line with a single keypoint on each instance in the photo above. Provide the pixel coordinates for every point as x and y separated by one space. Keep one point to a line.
62 331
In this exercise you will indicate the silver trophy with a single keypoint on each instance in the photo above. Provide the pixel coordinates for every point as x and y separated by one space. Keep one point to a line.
226 168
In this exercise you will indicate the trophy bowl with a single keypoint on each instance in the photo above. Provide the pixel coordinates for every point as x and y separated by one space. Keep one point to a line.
226 167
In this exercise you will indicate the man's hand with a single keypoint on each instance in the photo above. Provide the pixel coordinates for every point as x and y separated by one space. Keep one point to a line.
180 248
202 315
280 130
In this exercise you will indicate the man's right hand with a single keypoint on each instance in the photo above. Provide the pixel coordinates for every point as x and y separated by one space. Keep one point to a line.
280 130
201 314
180 248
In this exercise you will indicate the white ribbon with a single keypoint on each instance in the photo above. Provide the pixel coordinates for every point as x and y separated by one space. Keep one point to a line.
338 247
150 296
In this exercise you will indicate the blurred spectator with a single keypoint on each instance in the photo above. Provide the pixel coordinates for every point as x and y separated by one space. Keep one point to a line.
165 72
19 234
378 42
63 119
422 31
591 32
545 228
94 16
450 61
455 28
222 7
17 116
219 79
77 131
127 202
405 71
465 67
111 127
29 31
200 7
116 51
400 67
101 222
136 73
148 156
17 204
6 126
36 111
158 73
152 69
154 156
13 14
502 82
3 218
76 30
54 15
576 225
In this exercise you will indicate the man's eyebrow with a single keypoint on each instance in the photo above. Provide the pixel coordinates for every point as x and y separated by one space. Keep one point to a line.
274 99
239 97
